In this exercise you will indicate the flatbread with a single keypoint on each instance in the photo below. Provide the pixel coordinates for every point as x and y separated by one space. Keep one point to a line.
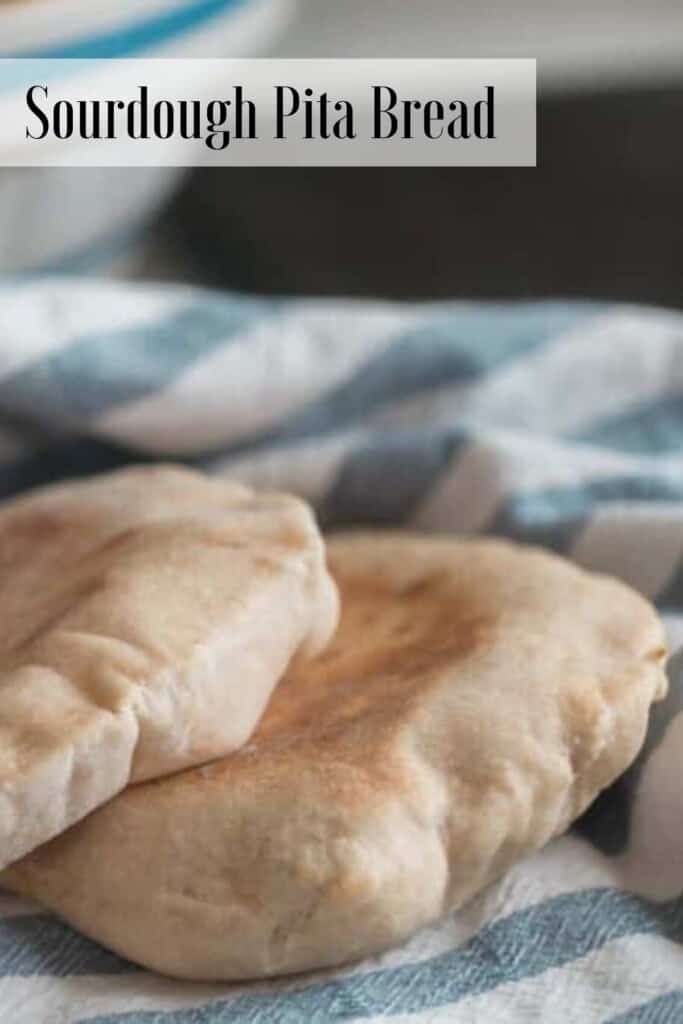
146 616
475 699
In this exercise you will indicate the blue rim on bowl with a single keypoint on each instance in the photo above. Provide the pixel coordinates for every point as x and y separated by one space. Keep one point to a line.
138 36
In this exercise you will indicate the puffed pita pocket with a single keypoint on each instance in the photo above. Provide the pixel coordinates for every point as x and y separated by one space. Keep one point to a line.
474 701
146 616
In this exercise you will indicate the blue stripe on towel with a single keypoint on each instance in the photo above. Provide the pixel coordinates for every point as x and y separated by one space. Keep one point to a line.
666 1009
38 944
554 516
464 342
384 481
650 429
102 371
522 945
455 347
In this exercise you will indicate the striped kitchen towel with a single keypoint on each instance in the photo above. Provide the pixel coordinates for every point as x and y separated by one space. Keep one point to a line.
557 423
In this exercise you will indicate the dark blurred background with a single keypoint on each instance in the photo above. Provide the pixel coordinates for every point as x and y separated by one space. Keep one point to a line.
601 215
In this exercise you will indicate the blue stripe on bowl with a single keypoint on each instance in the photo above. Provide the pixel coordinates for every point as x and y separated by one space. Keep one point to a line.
137 36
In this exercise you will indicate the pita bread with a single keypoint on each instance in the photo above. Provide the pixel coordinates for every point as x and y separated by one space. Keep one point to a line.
476 698
146 616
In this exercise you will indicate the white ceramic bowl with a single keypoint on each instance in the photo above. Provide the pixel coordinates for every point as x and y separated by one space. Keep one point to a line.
78 218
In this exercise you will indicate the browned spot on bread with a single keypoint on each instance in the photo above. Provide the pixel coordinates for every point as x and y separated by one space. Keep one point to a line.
388 647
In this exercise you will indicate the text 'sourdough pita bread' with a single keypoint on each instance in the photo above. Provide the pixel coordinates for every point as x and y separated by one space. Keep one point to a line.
146 617
476 698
